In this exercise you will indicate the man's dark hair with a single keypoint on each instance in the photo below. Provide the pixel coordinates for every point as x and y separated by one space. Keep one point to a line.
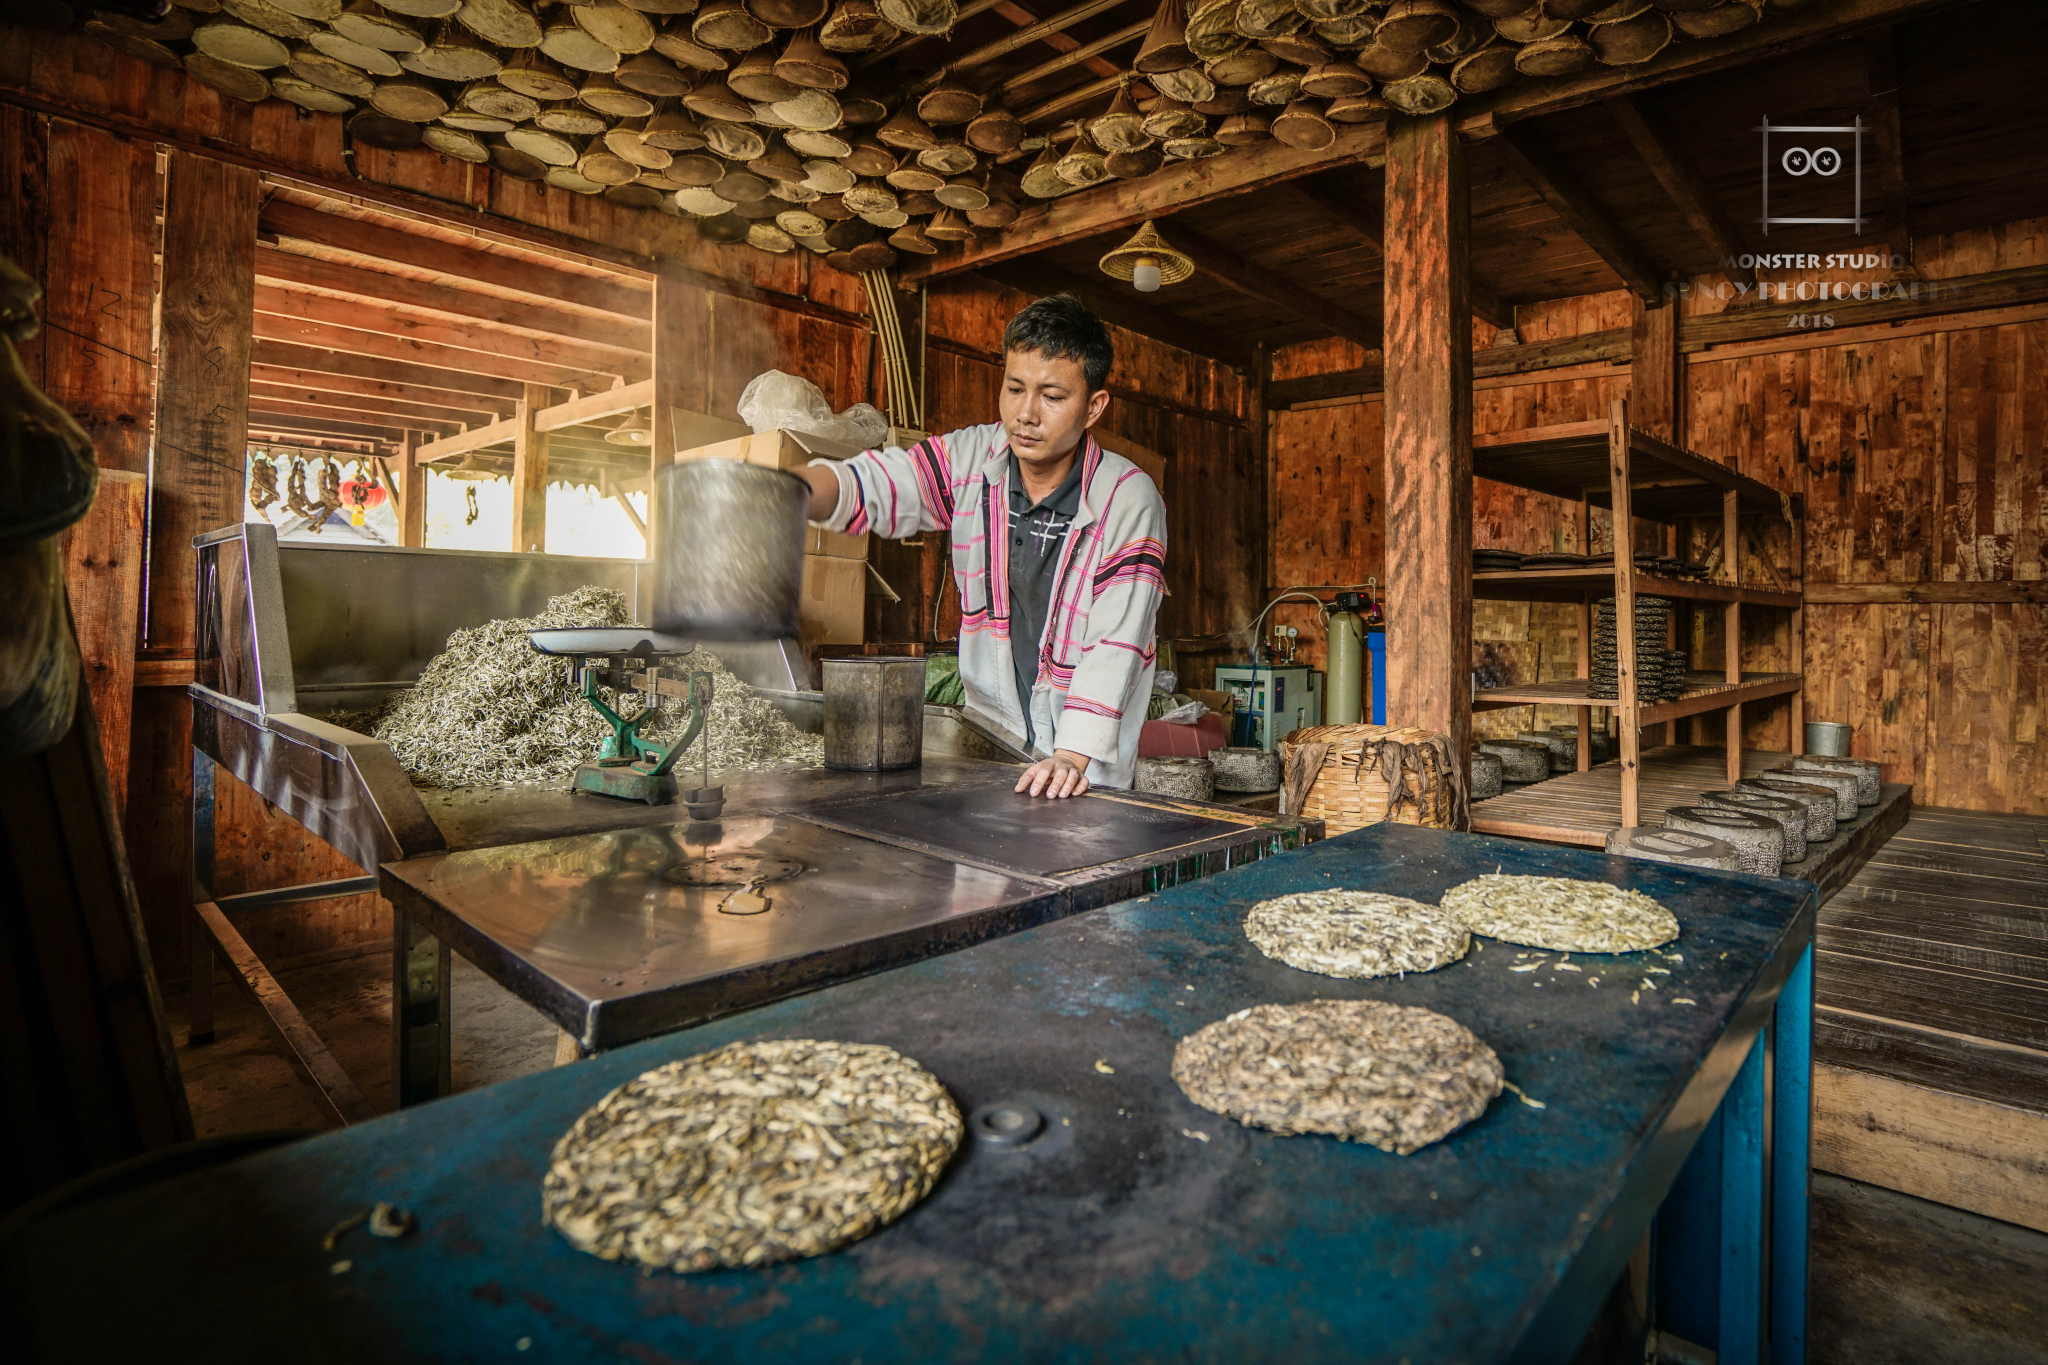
1061 327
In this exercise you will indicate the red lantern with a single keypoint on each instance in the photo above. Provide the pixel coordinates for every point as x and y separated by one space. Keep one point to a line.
363 493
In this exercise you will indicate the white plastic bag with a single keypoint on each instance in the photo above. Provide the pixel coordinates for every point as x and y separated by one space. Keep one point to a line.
774 401
1185 715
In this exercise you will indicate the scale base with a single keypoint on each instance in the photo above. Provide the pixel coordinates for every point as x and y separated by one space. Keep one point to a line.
625 781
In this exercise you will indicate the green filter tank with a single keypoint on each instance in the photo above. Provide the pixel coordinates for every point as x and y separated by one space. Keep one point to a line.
1344 703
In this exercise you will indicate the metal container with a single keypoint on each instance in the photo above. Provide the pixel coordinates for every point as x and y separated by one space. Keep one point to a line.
1828 739
1345 700
730 565
874 713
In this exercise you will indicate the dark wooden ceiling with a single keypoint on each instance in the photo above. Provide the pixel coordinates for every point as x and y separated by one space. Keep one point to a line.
1975 153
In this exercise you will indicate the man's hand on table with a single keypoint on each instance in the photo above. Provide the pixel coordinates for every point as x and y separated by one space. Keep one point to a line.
1064 774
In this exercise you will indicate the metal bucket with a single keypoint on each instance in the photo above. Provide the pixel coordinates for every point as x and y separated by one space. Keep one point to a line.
1828 739
874 713
730 565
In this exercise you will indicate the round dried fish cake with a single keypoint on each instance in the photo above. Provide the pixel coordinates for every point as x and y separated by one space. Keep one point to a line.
1561 913
752 1154
1355 933
1364 1070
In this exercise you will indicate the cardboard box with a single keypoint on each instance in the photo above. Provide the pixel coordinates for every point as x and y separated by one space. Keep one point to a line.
788 450
835 600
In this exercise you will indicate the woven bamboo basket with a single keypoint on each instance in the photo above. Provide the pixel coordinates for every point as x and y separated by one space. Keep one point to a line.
1351 776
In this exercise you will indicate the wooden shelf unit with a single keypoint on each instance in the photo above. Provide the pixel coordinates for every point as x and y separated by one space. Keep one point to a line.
1635 474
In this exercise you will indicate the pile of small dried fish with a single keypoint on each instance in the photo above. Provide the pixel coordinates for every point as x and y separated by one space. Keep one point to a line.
489 710
1561 913
1355 933
1392 1075
752 1154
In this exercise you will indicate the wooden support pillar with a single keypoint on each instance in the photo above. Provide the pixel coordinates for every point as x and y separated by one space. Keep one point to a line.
197 473
412 506
1429 432
1625 614
680 333
1585 651
1731 625
530 475
1259 429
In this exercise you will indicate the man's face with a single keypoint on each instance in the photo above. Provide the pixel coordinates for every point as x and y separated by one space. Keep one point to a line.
1047 406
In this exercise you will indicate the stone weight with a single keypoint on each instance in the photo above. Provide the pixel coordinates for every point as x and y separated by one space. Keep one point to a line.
1869 775
1758 843
1520 760
1485 774
1191 778
1843 785
1790 814
1679 846
1564 749
1819 802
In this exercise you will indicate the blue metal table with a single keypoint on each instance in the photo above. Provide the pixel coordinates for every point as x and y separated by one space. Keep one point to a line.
1139 1227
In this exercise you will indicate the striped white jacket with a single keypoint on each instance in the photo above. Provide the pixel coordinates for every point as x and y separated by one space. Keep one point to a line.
1096 660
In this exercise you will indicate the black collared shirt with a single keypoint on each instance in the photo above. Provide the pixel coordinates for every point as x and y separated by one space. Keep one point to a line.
1037 532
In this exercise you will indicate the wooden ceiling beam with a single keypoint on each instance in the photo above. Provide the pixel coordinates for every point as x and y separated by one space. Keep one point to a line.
288 268
1120 306
268 418
1034 30
340 404
415 373
1533 158
1881 75
341 447
1362 220
1658 143
909 40
1233 272
510 359
473 408
1127 203
1079 56
470 262
272 403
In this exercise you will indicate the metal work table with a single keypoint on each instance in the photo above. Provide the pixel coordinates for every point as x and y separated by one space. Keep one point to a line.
1138 1227
604 914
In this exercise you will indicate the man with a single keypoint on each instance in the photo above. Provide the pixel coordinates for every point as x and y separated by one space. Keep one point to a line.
1058 550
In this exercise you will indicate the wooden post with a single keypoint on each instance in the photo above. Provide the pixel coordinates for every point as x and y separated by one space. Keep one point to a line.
208 305
103 577
1429 432
1731 625
681 354
1799 639
530 475
1259 433
1656 393
412 508
1625 613
1585 623
197 472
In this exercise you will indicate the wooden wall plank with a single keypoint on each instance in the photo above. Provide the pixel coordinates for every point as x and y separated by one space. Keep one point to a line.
103 576
101 288
25 211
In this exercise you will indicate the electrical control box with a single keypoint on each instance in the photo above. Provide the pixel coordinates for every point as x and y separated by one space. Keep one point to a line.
1271 702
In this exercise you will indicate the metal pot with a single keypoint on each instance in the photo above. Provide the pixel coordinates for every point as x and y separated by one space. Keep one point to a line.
874 713
1828 739
730 565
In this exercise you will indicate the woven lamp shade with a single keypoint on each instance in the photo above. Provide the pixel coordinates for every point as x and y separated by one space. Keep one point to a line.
1146 241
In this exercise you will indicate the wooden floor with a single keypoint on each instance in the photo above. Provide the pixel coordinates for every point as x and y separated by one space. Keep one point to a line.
1584 808
1931 1016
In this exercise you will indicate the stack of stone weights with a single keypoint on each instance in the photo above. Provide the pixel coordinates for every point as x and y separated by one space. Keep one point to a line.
1564 749
1758 843
1603 743
1676 665
1520 760
1843 785
1869 775
1669 845
1485 774
1790 814
1653 662
1819 802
